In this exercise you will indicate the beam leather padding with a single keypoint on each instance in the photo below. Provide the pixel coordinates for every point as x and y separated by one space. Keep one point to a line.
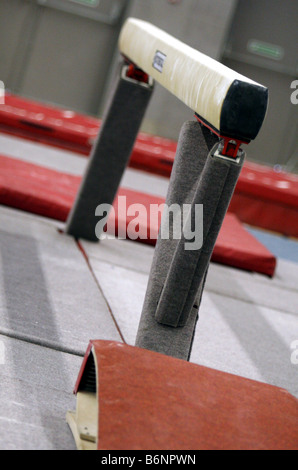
232 104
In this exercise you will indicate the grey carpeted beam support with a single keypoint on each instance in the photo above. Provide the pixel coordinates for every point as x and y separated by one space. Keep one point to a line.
199 177
110 153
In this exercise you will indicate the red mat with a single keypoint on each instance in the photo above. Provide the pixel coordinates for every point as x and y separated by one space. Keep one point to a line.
68 130
267 198
51 194
263 197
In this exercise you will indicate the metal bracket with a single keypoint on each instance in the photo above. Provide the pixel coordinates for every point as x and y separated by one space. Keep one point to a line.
219 152
229 147
133 74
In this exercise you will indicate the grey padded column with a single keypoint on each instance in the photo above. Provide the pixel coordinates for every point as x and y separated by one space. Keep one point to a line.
177 276
110 153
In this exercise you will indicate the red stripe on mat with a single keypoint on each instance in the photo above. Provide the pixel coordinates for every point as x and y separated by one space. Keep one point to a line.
50 193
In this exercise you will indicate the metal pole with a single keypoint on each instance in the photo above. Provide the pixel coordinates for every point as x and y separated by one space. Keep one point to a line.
201 175
111 151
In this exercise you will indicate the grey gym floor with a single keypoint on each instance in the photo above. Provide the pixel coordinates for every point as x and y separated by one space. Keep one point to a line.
57 294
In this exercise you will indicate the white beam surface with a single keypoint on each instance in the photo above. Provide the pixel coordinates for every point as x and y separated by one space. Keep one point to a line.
201 82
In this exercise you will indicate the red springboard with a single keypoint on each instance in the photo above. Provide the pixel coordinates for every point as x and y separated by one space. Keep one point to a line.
150 401
50 193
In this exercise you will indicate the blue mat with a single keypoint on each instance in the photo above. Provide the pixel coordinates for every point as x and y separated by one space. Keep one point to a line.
280 246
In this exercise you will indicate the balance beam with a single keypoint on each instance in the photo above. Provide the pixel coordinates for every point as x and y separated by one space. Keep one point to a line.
205 171
230 104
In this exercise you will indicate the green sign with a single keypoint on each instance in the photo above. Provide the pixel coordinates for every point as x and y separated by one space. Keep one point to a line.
270 51
90 3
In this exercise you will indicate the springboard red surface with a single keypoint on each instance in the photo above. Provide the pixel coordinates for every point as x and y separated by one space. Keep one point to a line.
150 401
